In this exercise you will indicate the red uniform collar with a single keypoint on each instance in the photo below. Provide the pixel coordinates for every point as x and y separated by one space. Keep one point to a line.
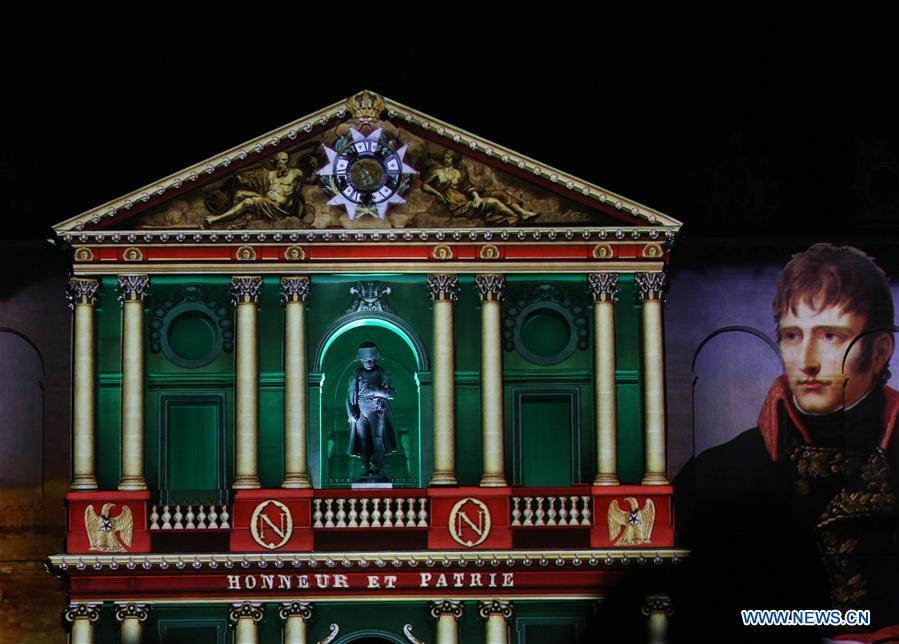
780 392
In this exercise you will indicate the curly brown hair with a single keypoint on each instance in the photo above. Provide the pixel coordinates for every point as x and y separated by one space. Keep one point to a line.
842 276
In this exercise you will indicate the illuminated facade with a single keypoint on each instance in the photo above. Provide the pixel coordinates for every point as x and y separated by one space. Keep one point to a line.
217 316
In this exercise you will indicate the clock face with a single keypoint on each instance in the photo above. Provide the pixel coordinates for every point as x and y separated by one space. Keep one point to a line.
364 174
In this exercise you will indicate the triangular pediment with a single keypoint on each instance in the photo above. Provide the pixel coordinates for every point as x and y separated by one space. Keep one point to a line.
367 163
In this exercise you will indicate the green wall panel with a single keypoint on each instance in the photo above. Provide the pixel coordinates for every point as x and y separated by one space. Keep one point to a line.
109 436
468 428
630 433
271 430
546 441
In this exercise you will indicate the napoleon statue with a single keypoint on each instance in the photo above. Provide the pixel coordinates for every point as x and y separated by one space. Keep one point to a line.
372 436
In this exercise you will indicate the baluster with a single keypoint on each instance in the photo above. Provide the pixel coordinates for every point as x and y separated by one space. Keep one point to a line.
399 518
410 514
539 513
363 515
166 518
516 513
551 514
353 515
376 514
201 518
178 517
573 516
563 511
341 514
585 513
422 513
154 519
189 525
213 517
528 511
388 513
224 525
329 513
317 515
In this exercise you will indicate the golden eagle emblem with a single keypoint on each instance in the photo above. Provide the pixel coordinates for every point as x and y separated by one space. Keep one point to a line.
102 529
634 527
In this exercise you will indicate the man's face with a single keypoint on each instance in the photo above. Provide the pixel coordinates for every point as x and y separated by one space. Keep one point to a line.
368 363
448 158
282 161
813 344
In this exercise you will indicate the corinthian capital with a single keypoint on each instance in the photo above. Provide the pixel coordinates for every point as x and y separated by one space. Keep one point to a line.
604 286
245 609
650 286
82 290
304 610
133 287
446 606
246 288
444 287
294 288
658 604
136 611
490 286
82 611
495 607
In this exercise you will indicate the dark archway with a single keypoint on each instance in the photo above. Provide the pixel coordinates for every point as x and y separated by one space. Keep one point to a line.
733 368
22 424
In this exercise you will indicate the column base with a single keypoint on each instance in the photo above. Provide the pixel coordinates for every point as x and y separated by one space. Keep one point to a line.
246 483
654 479
493 480
606 479
132 484
296 482
84 483
443 478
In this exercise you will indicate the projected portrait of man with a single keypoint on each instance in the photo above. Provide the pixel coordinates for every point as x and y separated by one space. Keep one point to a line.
801 511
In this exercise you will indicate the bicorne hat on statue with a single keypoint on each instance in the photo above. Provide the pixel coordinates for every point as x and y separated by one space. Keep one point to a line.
368 350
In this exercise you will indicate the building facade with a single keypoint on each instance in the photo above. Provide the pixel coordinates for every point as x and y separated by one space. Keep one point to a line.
218 492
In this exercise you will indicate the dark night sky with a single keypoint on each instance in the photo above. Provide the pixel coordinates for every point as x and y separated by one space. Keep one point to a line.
733 138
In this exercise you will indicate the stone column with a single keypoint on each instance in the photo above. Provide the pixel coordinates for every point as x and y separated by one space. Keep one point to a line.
444 291
650 288
131 616
82 296
658 608
132 289
604 287
294 290
295 616
490 288
245 616
245 293
497 613
82 617
447 613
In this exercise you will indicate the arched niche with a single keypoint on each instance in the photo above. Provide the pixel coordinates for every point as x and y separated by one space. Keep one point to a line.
22 425
370 636
405 359
733 369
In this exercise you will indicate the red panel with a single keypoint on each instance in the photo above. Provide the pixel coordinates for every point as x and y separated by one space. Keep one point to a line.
77 539
662 535
298 504
444 500
352 251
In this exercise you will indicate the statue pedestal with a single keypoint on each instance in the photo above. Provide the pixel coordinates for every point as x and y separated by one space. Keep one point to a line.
373 485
